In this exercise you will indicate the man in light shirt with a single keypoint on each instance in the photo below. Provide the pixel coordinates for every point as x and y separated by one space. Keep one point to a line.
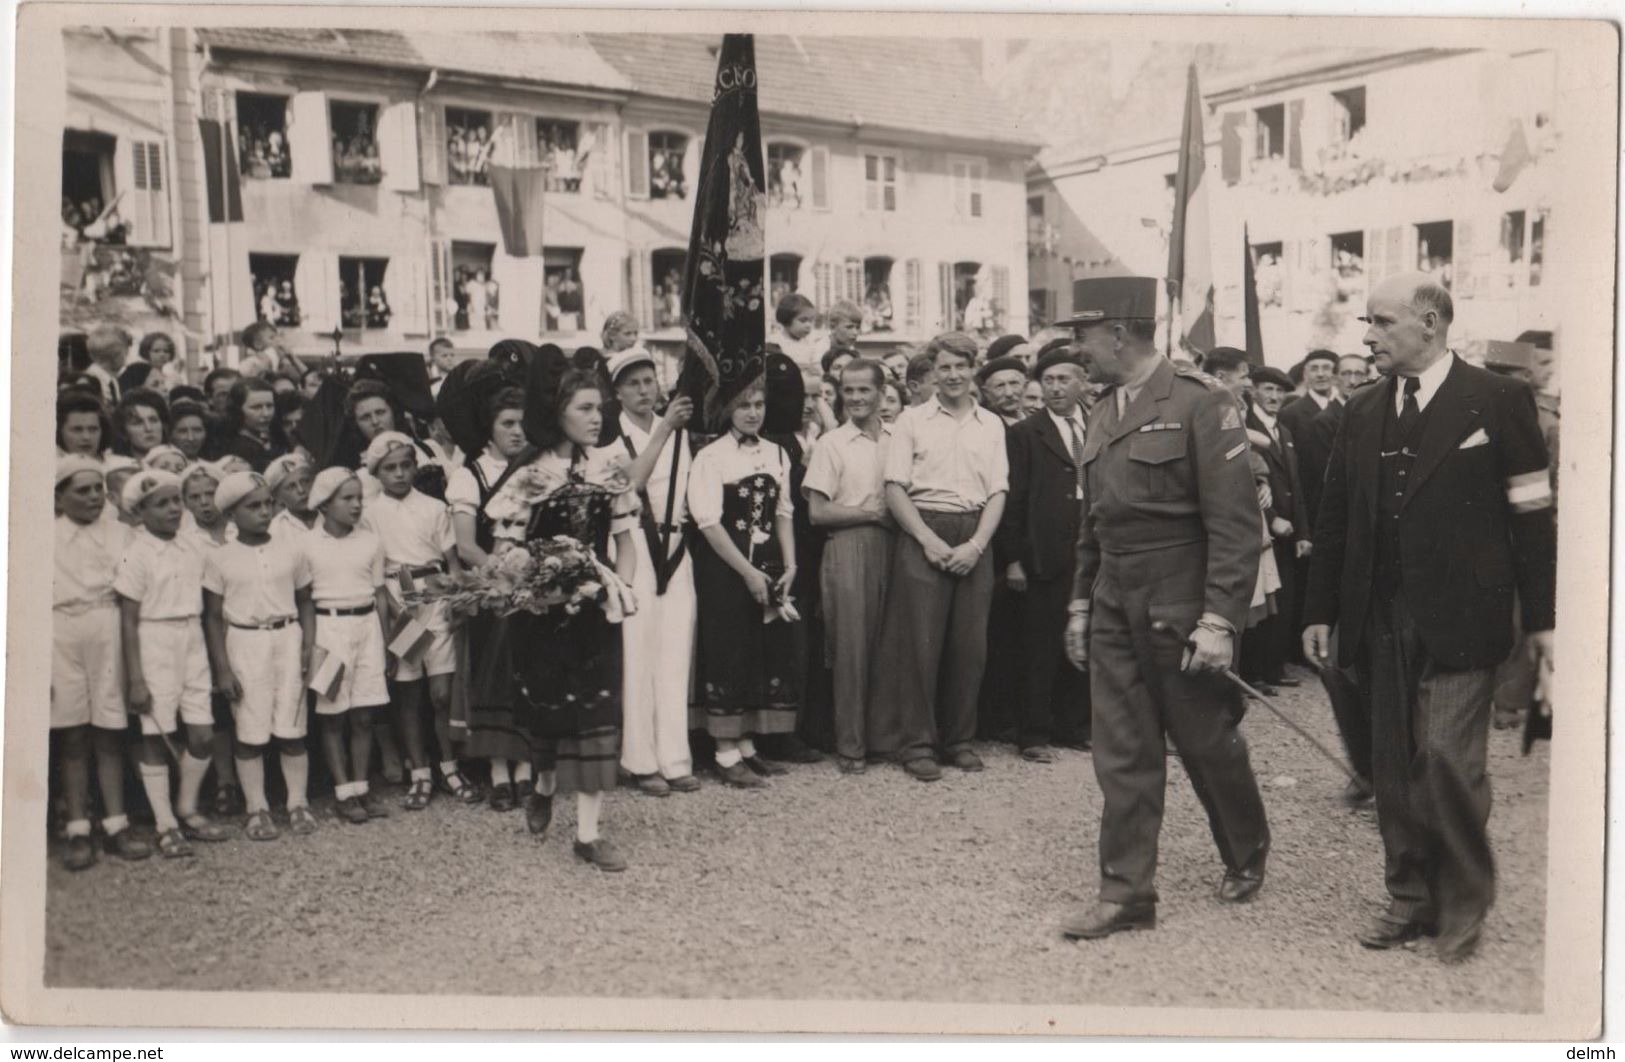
946 479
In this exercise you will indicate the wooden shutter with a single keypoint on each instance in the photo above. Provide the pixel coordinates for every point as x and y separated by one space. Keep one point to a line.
640 288
1230 145
519 305
432 142
823 287
1463 271
818 164
141 174
309 141
1001 292
593 142
913 286
398 149
1294 134
853 288
947 318
637 164
442 300
404 287
316 286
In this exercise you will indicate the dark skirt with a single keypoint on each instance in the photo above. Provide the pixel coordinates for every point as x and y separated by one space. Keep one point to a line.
566 682
750 674
483 696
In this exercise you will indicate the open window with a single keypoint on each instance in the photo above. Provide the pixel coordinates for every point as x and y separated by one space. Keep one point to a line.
1348 114
1269 132
667 154
1537 248
561 148
878 311
666 269
1435 250
88 195
564 300
469 143
363 302
354 129
263 150
972 312
787 177
1348 264
1512 236
783 277
1269 274
276 299
476 296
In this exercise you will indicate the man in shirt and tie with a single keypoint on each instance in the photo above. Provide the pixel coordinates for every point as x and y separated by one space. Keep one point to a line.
1437 509
1298 414
109 347
1038 542
946 477
1167 559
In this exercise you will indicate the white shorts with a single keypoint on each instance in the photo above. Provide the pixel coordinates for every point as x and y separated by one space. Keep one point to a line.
176 667
439 657
358 642
87 669
267 666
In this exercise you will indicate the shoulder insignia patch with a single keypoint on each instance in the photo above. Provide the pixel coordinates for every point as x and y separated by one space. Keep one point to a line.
1231 420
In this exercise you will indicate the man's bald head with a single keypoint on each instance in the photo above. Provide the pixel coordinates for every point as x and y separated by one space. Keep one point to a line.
1409 316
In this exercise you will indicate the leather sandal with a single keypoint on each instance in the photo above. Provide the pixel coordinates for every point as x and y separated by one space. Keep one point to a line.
459 787
199 827
301 822
260 827
502 797
172 844
418 795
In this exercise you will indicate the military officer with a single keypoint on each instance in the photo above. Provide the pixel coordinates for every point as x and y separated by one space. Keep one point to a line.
1169 536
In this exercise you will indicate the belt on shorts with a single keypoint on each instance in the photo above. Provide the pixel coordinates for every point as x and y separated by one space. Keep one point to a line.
420 571
358 610
170 619
268 625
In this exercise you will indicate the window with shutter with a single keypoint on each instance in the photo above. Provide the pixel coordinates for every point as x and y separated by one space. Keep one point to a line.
637 164
403 289
398 147
852 280
151 224
432 142
442 296
1001 296
880 183
947 316
593 153
312 146
914 286
823 287
640 303
1294 134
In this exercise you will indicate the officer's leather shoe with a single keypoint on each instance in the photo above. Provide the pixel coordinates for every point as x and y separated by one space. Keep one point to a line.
739 776
1458 945
1104 919
126 845
1357 792
538 813
1391 931
925 770
1239 886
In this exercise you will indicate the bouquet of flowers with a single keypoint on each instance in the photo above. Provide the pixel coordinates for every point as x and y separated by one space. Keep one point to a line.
542 576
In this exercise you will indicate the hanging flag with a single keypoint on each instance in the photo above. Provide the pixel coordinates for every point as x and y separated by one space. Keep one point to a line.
1514 157
724 302
1249 296
518 191
222 179
1190 271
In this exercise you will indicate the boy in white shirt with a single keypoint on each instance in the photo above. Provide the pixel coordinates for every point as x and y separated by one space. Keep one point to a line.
289 478
418 540
160 589
87 696
345 612
255 647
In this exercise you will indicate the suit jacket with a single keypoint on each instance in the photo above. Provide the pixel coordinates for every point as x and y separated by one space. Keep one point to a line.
1475 522
1281 458
1040 525
1299 415
1172 471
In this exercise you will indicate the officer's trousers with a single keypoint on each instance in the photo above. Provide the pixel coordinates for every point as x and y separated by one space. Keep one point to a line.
1138 694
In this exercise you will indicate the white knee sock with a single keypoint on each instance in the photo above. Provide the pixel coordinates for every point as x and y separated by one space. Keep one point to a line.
114 825
747 747
728 753
547 782
192 772
499 772
587 808
252 774
521 774
155 780
296 773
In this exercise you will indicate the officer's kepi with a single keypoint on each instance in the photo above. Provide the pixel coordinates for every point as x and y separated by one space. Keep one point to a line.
1112 299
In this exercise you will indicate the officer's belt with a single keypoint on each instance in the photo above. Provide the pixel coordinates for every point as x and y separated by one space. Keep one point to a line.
1196 536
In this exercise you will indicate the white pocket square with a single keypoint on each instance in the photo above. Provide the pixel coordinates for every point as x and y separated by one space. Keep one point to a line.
1477 438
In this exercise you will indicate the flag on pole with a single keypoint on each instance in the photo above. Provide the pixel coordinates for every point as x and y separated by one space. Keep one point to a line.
1190 269
518 191
1514 157
1249 295
724 297
220 175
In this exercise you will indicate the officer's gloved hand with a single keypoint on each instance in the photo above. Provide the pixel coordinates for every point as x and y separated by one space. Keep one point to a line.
1210 649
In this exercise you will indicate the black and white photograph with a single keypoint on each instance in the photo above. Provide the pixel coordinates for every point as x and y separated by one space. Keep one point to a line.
810 522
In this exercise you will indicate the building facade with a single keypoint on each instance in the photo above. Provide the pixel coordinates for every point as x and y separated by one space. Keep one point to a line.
1338 178
360 160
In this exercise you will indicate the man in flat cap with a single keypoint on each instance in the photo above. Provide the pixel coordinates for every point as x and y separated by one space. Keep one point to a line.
1167 559
1001 380
1037 544
1266 647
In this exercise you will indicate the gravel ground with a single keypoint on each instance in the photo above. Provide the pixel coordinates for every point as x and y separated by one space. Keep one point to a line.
831 887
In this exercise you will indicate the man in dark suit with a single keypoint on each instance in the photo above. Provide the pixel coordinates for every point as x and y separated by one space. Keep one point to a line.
1265 648
1299 413
1168 545
1436 510
1039 540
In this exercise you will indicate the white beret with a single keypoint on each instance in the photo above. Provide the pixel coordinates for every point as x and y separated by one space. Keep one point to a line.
215 470
144 484
70 465
278 471
622 360
235 487
119 463
328 481
381 445
161 450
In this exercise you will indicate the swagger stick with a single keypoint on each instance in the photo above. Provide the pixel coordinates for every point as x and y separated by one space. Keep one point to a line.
1164 629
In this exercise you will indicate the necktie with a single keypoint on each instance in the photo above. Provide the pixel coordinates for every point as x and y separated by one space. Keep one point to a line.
1077 455
1410 412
